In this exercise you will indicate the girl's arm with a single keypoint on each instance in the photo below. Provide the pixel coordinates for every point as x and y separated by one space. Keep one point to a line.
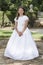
19 33
16 23
25 26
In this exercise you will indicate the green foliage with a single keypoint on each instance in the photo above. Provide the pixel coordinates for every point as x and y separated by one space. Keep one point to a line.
38 4
4 5
12 6
11 15
41 6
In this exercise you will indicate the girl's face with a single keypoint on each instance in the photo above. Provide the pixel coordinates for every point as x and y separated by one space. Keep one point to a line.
21 11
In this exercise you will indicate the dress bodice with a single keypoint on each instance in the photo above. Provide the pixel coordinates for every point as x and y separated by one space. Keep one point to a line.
21 20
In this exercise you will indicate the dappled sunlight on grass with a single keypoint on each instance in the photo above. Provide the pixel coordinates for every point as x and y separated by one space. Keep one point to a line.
37 35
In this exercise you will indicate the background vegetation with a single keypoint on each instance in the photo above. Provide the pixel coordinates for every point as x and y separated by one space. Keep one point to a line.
9 8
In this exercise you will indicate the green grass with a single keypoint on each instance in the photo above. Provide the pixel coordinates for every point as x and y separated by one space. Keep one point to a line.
7 34
37 35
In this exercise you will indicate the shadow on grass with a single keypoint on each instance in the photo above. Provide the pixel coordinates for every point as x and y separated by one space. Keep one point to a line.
7 32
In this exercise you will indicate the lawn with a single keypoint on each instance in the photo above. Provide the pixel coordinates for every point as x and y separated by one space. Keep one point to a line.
37 35
7 34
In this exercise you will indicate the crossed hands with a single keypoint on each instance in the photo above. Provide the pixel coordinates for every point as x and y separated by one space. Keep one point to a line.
20 33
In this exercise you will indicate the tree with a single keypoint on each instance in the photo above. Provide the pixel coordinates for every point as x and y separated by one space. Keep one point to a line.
37 3
4 7
12 6
41 7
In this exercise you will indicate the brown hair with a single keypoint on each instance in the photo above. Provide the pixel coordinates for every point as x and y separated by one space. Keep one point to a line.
18 13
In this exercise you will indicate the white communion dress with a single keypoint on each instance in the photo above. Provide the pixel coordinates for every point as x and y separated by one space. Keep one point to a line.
21 47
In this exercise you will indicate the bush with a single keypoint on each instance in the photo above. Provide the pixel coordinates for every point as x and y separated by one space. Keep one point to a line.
42 37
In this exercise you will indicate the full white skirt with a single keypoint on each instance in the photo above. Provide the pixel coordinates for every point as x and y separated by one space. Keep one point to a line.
21 48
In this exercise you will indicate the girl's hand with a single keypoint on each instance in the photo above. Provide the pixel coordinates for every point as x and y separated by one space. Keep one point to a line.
20 33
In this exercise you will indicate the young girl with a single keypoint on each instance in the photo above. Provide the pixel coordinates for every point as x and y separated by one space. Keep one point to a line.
21 45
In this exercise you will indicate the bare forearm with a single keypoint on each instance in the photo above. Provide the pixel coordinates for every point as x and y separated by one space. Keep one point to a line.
16 27
24 29
25 26
17 30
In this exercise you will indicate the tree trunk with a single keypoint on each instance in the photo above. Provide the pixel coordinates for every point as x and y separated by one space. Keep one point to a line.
3 19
